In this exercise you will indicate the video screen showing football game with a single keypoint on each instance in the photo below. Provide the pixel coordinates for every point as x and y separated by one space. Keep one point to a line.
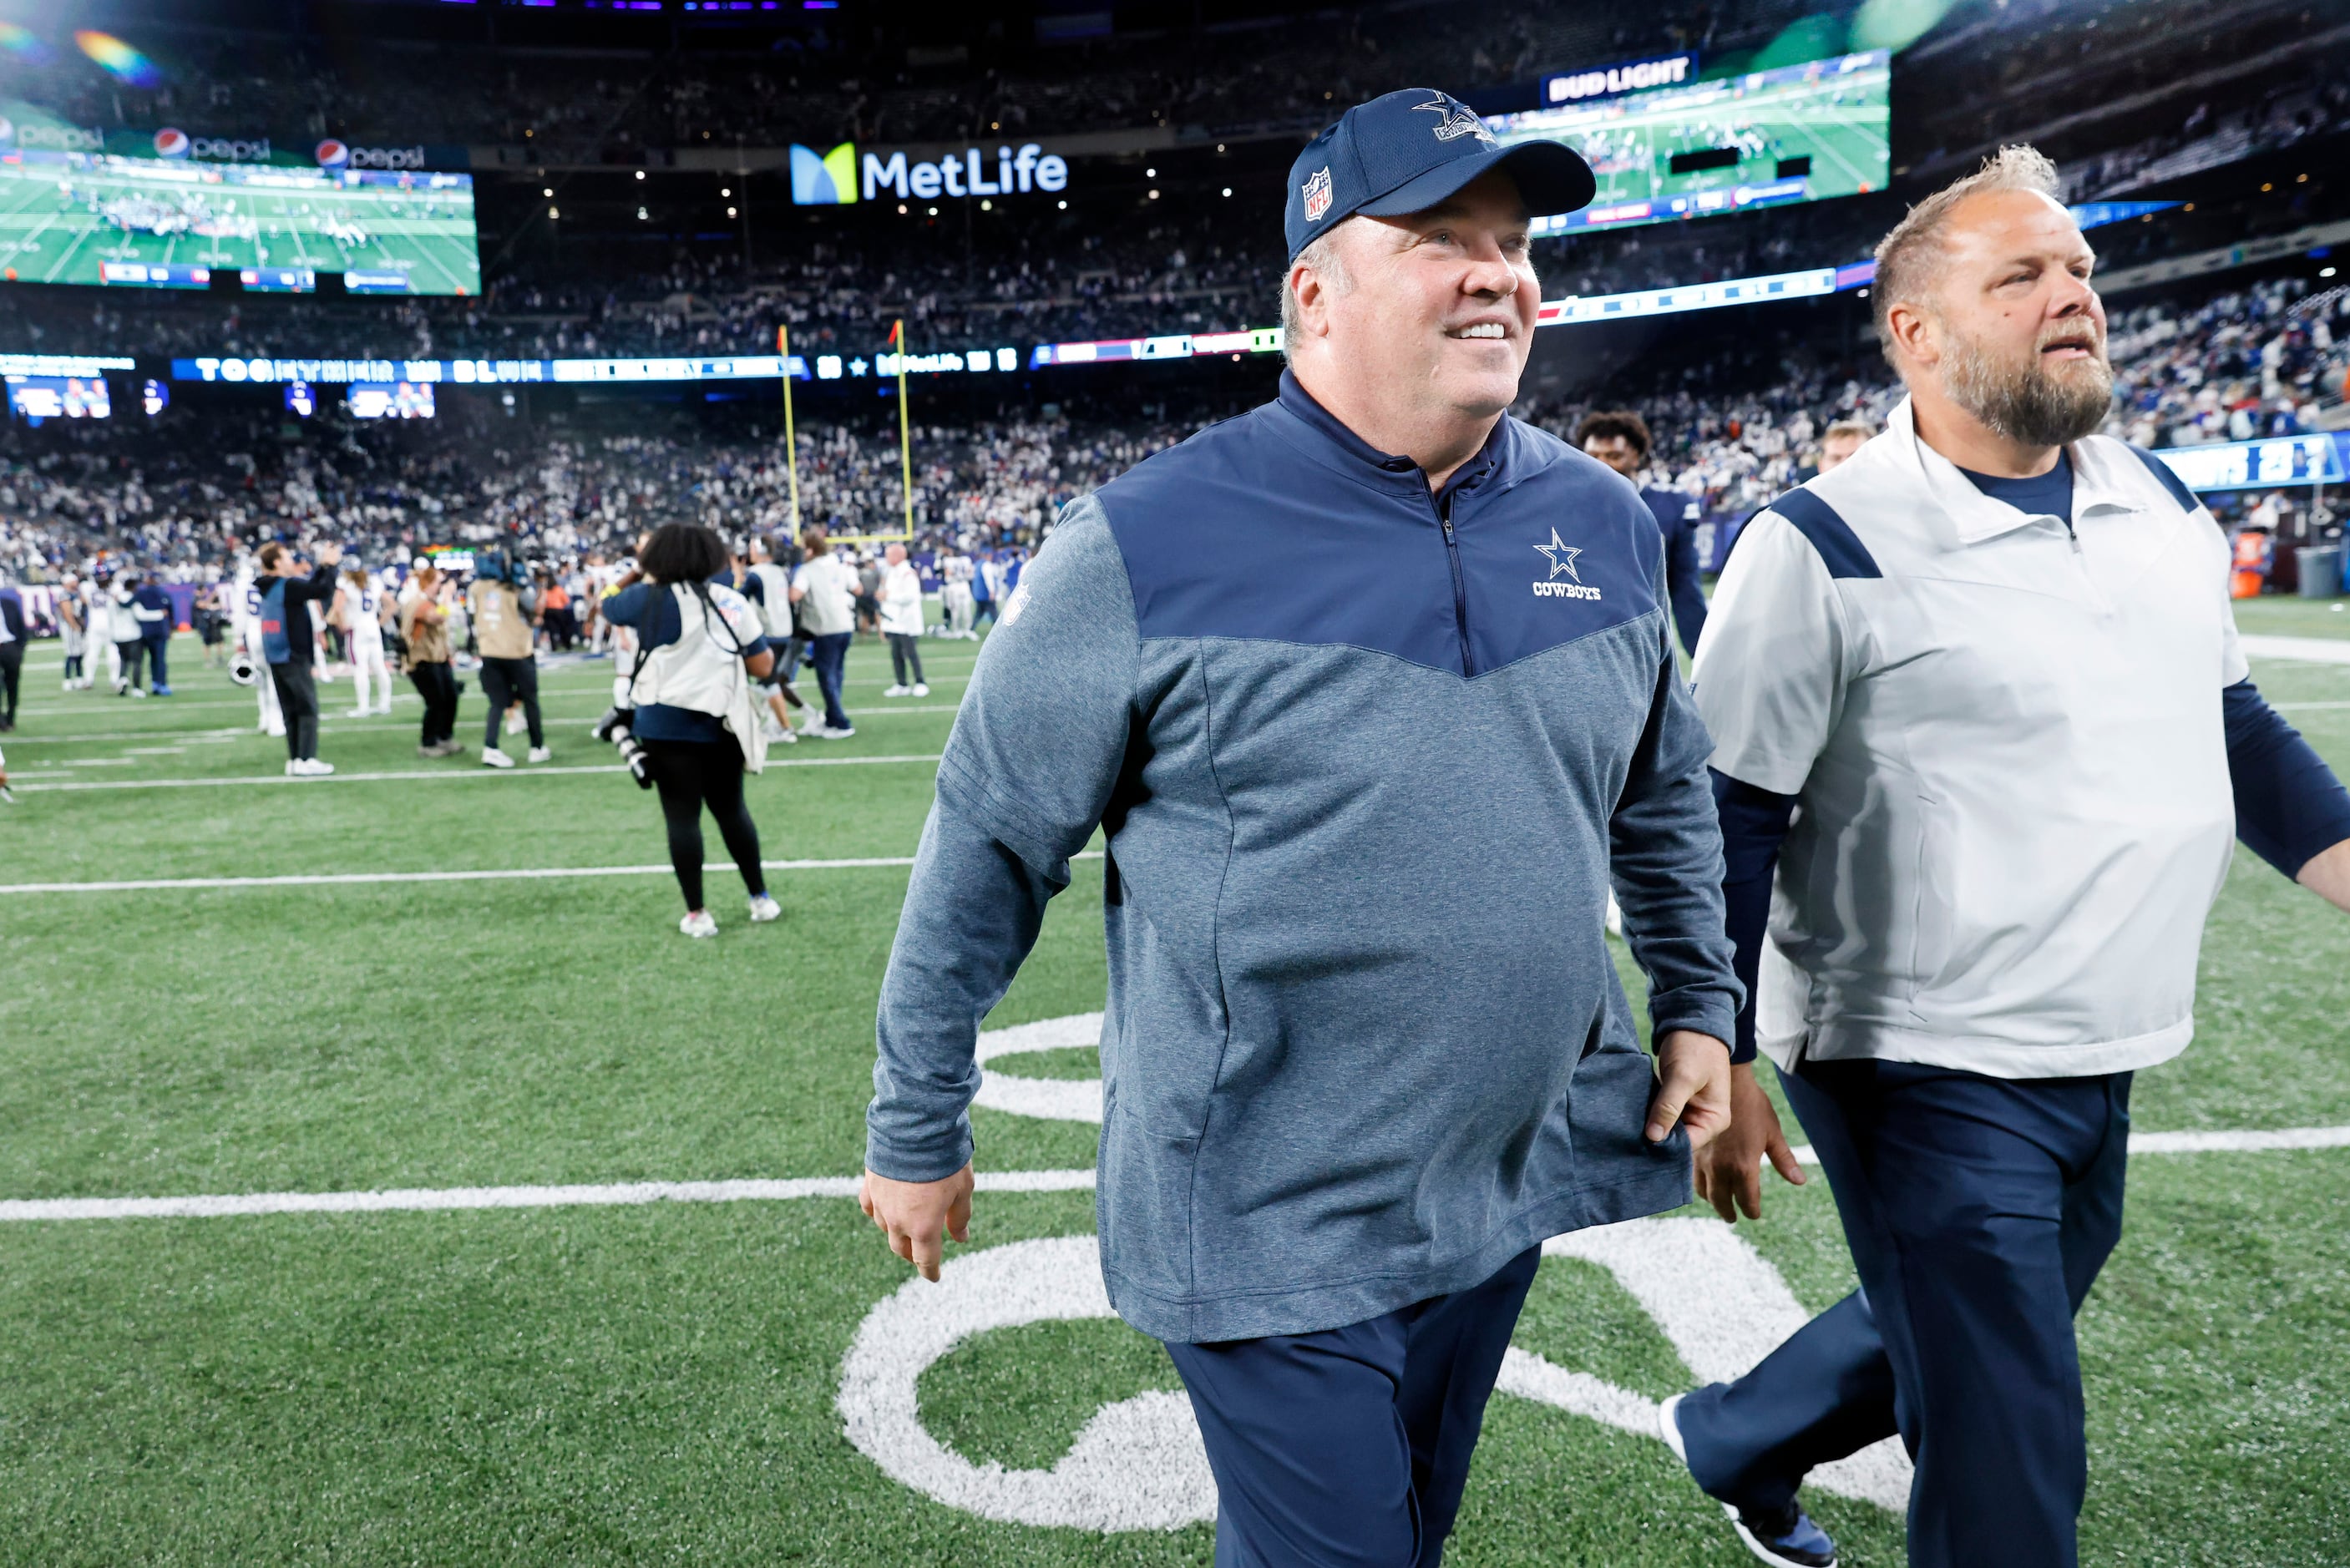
1794 133
156 222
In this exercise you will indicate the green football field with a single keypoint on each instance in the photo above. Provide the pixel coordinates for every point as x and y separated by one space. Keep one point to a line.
600 1375
60 221
1839 121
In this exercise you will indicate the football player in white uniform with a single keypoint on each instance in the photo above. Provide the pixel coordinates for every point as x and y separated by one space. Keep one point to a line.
359 610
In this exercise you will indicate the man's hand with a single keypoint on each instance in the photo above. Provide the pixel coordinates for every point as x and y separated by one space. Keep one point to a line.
1692 1087
329 553
1730 1171
913 1213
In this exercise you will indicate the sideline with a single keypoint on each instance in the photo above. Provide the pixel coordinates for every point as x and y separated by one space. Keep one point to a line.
475 771
412 1200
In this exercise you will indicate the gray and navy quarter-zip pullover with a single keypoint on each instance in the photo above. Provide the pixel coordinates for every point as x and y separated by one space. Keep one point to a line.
1367 760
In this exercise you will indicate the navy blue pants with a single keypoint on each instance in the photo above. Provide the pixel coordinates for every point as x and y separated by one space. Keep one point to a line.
830 651
1979 1211
1351 1446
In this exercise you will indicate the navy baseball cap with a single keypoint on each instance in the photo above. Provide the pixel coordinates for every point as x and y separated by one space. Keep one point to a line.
1406 151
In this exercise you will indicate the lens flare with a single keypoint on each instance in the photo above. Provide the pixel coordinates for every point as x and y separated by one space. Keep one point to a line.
118 59
19 43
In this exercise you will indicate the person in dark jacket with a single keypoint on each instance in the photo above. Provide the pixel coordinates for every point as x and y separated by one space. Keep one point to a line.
1365 1049
289 588
1621 439
12 652
156 615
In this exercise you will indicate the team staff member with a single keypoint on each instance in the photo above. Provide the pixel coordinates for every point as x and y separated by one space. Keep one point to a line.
153 609
12 636
901 622
1365 1049
1991 659
824 600
288 633
1621 439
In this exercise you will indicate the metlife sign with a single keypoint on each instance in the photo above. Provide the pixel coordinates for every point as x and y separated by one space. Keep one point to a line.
1634 76
844 176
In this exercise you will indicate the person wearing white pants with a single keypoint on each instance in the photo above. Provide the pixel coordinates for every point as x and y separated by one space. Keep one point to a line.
359 610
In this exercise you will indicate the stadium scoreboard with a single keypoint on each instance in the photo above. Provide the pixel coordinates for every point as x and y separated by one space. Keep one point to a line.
164 223
1793 133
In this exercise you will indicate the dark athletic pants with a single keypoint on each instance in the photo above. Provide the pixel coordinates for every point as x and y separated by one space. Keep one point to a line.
689 775
158 672
904 649
1352 1444
12 672
508 680
127 650
297 699
437 684
1979 1211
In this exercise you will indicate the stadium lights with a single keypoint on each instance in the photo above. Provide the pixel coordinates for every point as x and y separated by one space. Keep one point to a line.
2325 272
730 212
726 190
641 215
986 206
1228 190
1154 195
640 174
547 190
553 213
901 209
1150 174
1064 206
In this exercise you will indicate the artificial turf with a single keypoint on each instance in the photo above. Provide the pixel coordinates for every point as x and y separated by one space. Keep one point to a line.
633 1384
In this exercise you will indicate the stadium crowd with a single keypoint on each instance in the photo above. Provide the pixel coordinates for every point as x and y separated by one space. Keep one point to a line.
2252 360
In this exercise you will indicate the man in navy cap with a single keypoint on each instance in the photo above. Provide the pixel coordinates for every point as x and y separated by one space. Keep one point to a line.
1364 1049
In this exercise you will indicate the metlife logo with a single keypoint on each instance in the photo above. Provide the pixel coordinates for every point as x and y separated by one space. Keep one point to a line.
843 176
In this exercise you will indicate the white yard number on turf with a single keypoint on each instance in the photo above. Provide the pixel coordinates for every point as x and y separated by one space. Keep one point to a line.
1138 1463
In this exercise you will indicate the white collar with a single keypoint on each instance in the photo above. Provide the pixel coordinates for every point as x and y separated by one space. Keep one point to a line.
1969 518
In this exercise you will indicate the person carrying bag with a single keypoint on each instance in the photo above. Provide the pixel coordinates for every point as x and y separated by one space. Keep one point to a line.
699 645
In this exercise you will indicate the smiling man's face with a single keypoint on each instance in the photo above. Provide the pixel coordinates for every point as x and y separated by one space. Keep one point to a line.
1440 306
2021 332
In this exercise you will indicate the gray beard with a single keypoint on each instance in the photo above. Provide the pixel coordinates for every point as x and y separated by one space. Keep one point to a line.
2034 407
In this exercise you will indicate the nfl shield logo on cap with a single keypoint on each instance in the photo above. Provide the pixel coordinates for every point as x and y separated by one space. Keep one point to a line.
1317 195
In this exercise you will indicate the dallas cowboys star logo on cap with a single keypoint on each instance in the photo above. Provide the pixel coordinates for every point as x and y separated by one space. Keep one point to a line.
1561 556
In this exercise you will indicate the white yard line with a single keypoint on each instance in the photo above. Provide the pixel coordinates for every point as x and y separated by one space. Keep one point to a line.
367 878
476 772
413 1199
2305 649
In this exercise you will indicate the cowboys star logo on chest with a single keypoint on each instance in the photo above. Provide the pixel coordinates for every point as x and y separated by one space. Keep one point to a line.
1561 556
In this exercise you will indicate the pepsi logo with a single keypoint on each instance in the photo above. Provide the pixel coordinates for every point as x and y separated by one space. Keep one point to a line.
333 154
171 143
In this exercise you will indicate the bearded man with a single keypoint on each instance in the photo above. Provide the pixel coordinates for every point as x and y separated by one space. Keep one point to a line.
1977 699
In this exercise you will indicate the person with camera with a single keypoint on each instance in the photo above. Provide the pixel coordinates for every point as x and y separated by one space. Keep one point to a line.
505 607
288 635
693 705
425 659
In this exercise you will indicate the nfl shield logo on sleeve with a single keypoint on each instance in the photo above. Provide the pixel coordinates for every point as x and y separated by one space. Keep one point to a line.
1317 195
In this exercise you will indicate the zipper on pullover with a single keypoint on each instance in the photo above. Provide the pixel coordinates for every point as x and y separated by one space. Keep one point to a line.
1444 510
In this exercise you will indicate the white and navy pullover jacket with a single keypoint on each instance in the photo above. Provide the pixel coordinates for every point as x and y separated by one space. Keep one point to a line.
1367 761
